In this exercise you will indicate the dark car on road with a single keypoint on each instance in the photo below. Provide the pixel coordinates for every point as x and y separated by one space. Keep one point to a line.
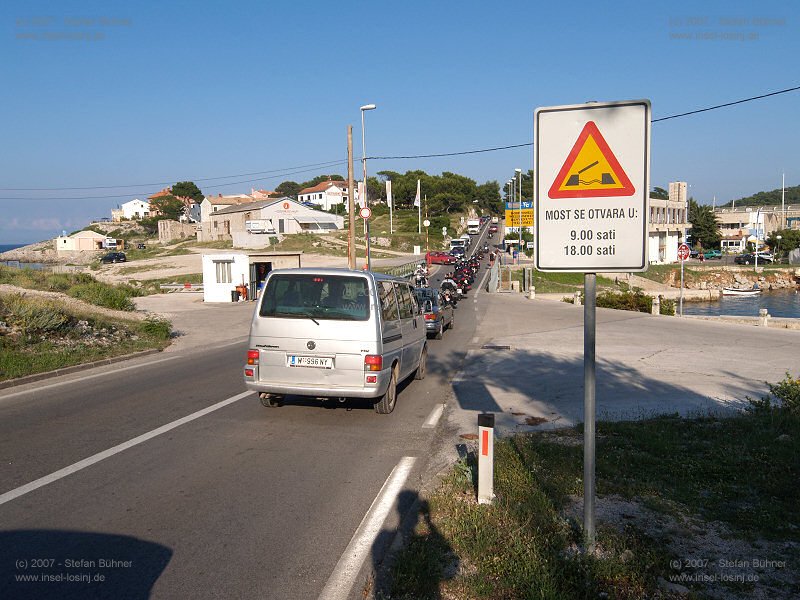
438 314
113 257
750 259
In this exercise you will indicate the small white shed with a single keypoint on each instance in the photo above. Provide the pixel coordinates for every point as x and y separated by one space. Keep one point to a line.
223 273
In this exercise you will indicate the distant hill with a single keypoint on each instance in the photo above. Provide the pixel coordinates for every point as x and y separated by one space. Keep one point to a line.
772 198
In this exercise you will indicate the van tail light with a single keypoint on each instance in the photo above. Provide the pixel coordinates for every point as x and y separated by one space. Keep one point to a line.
252 357
430 317
373 362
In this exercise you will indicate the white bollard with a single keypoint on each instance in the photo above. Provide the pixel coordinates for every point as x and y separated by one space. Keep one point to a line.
763 317
485 458
532 293
577 299
655 309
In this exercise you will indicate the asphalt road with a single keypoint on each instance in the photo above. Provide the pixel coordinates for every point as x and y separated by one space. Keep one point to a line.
241 501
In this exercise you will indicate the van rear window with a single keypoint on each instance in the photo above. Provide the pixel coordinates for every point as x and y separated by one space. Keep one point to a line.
332 297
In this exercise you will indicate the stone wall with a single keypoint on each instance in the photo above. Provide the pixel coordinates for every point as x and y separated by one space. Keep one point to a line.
173 230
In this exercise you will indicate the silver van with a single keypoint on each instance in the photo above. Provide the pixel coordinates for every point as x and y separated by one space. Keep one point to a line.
335 333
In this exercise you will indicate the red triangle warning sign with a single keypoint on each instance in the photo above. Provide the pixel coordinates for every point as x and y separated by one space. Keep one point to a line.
591 170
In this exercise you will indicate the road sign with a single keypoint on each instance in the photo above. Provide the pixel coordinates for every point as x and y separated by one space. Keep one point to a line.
365 212
591 169
444 230
512 218
683 252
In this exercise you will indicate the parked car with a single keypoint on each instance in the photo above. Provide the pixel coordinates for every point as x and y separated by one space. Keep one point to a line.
750 259
693 253
712 254
766 256
440 258
437 313
335 333
113 257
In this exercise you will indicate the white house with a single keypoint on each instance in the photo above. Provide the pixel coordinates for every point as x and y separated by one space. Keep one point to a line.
135 209
212 204
287 216
667 224
224 272
325 194
79 241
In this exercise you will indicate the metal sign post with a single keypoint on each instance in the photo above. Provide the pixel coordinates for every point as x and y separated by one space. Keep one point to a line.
589 409
365 213
591 182
683 254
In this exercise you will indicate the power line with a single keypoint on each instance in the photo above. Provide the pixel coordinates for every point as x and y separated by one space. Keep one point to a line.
306 168
694 112
109 187
129 194
449 153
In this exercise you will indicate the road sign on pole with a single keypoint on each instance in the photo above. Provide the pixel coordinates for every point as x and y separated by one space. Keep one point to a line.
683 253
591 169
365 212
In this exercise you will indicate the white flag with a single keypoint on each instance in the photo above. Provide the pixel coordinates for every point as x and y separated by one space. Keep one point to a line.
417 197
389 193
360 194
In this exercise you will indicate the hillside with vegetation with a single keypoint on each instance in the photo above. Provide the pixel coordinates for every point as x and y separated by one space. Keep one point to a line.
771 198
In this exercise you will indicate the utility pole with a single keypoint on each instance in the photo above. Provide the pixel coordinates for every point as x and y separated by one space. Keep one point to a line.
351 202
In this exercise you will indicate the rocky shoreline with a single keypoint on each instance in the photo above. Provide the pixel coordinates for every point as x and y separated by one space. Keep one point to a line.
45 253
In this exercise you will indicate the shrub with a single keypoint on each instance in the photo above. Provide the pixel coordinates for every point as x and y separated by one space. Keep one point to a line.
118 298
33 315
788 392
156 327
667 307
628 300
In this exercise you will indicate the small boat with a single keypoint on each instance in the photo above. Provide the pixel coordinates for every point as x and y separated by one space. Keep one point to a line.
732 291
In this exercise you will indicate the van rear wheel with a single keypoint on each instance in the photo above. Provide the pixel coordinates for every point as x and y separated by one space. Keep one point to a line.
386 403
270 400
423 364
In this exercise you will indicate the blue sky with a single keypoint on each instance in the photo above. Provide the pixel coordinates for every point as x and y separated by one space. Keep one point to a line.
111 93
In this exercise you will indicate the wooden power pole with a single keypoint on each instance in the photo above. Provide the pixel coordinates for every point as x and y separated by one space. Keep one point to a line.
351 202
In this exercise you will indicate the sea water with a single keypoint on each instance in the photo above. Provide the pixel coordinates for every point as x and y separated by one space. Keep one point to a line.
779 303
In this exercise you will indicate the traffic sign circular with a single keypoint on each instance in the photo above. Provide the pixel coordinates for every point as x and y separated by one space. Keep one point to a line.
365 213
683 252
426 223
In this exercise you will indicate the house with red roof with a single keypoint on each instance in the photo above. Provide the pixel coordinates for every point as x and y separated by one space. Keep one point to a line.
326 194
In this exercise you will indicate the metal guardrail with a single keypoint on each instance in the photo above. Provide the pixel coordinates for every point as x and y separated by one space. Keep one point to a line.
404 270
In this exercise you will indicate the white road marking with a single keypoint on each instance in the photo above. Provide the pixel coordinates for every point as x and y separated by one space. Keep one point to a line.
107 372
96 458
346 570
434 417
482 286
113 371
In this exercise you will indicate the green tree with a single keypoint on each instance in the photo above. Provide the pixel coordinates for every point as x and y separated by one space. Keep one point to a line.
187 189
659 193
771 198
320 179
705 227
790 239
289 189
169 207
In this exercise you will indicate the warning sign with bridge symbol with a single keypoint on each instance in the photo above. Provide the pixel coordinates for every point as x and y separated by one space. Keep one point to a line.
591 170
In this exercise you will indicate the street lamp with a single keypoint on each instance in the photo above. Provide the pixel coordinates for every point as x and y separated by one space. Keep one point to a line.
519 199
364 164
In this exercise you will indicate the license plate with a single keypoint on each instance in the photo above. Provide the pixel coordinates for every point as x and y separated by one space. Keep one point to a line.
314 362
